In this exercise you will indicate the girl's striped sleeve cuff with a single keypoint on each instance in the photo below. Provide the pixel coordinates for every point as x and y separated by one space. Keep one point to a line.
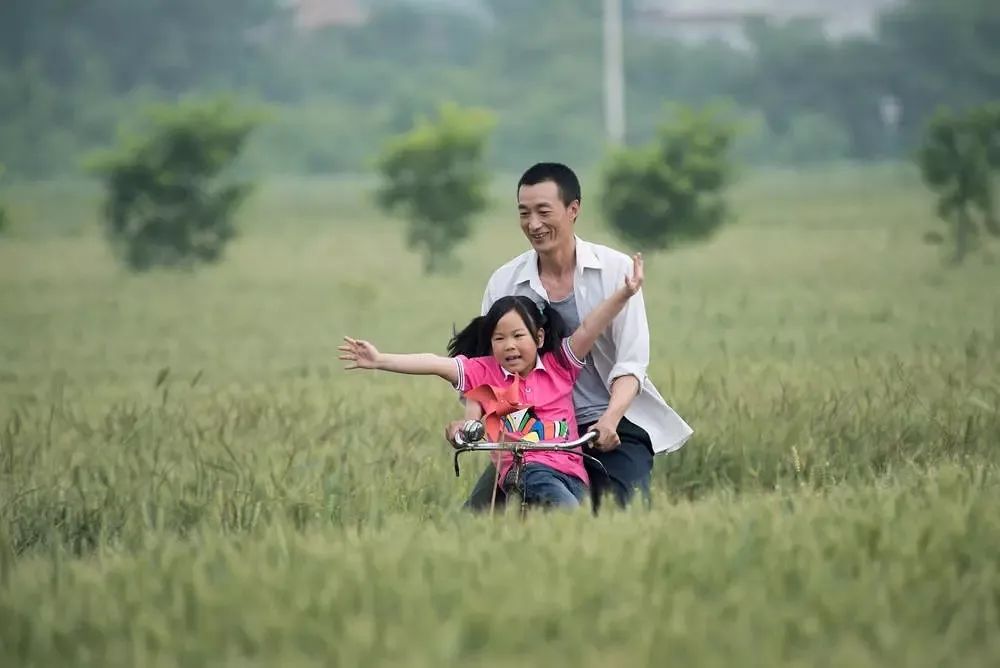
570 355
460 382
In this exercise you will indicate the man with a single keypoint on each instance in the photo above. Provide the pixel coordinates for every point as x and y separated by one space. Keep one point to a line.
612 396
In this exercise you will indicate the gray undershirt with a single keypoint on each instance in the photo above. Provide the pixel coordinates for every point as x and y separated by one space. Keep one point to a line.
590 396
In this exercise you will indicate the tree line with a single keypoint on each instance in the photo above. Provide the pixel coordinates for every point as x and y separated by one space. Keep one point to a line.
72 70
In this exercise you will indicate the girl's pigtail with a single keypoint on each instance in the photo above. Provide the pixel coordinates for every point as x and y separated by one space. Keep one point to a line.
470 341
555 328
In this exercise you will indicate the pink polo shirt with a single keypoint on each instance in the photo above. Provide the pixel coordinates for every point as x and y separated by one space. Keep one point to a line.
547 390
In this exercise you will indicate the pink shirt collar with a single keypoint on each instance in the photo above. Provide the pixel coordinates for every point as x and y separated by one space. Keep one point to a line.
538 365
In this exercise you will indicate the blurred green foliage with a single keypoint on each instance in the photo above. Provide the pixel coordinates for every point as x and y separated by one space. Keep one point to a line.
169 199
4 222
435 176
671 191
69 73
960 158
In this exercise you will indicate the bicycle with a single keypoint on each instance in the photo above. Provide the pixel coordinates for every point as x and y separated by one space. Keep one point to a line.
470 439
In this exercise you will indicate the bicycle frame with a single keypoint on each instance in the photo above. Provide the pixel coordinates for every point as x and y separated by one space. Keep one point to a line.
467 440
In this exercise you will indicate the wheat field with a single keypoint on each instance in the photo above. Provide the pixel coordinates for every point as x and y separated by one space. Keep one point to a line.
188 478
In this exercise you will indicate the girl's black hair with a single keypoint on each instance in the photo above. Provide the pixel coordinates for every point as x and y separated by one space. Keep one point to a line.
476 339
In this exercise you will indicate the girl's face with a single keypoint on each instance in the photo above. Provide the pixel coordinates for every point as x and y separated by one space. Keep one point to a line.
515 347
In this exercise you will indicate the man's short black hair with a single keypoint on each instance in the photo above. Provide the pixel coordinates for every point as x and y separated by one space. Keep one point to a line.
558 173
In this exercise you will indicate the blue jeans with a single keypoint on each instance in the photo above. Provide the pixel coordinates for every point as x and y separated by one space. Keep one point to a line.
542 486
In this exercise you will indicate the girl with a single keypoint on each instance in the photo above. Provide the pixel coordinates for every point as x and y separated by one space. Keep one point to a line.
518 363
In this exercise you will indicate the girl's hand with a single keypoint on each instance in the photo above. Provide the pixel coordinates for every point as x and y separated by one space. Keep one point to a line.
358 354
634 282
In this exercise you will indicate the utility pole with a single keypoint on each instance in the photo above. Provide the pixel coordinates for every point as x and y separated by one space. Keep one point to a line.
614 73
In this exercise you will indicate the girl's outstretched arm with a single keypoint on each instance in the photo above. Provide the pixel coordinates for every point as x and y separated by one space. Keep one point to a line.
582 340
360 354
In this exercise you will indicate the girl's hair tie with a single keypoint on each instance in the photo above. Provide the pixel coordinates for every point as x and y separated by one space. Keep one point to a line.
541 313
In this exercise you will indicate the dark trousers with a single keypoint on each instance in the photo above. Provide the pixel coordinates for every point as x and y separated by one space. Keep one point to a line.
627 468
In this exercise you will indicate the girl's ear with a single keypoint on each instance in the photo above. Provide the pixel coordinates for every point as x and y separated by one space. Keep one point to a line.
540 337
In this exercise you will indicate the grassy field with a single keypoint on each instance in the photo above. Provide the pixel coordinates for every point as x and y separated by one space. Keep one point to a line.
187 477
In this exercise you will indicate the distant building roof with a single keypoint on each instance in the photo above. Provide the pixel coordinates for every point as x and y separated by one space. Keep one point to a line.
316 14
705 19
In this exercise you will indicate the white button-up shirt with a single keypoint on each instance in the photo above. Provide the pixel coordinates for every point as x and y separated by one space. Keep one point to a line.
622 349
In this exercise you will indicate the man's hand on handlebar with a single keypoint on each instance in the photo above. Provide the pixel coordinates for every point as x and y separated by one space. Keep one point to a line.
607 437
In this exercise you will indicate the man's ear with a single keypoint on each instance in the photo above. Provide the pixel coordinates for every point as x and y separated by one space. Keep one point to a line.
573 209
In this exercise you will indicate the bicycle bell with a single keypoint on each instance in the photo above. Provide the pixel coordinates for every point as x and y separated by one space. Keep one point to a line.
473 431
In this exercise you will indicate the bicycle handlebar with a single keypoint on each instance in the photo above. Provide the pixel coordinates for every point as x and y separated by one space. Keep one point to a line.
519 447
462 444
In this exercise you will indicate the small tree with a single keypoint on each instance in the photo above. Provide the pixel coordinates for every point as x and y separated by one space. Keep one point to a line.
958 158
671 191
168 201
434 175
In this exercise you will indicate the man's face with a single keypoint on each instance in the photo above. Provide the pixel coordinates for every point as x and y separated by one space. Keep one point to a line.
545 220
